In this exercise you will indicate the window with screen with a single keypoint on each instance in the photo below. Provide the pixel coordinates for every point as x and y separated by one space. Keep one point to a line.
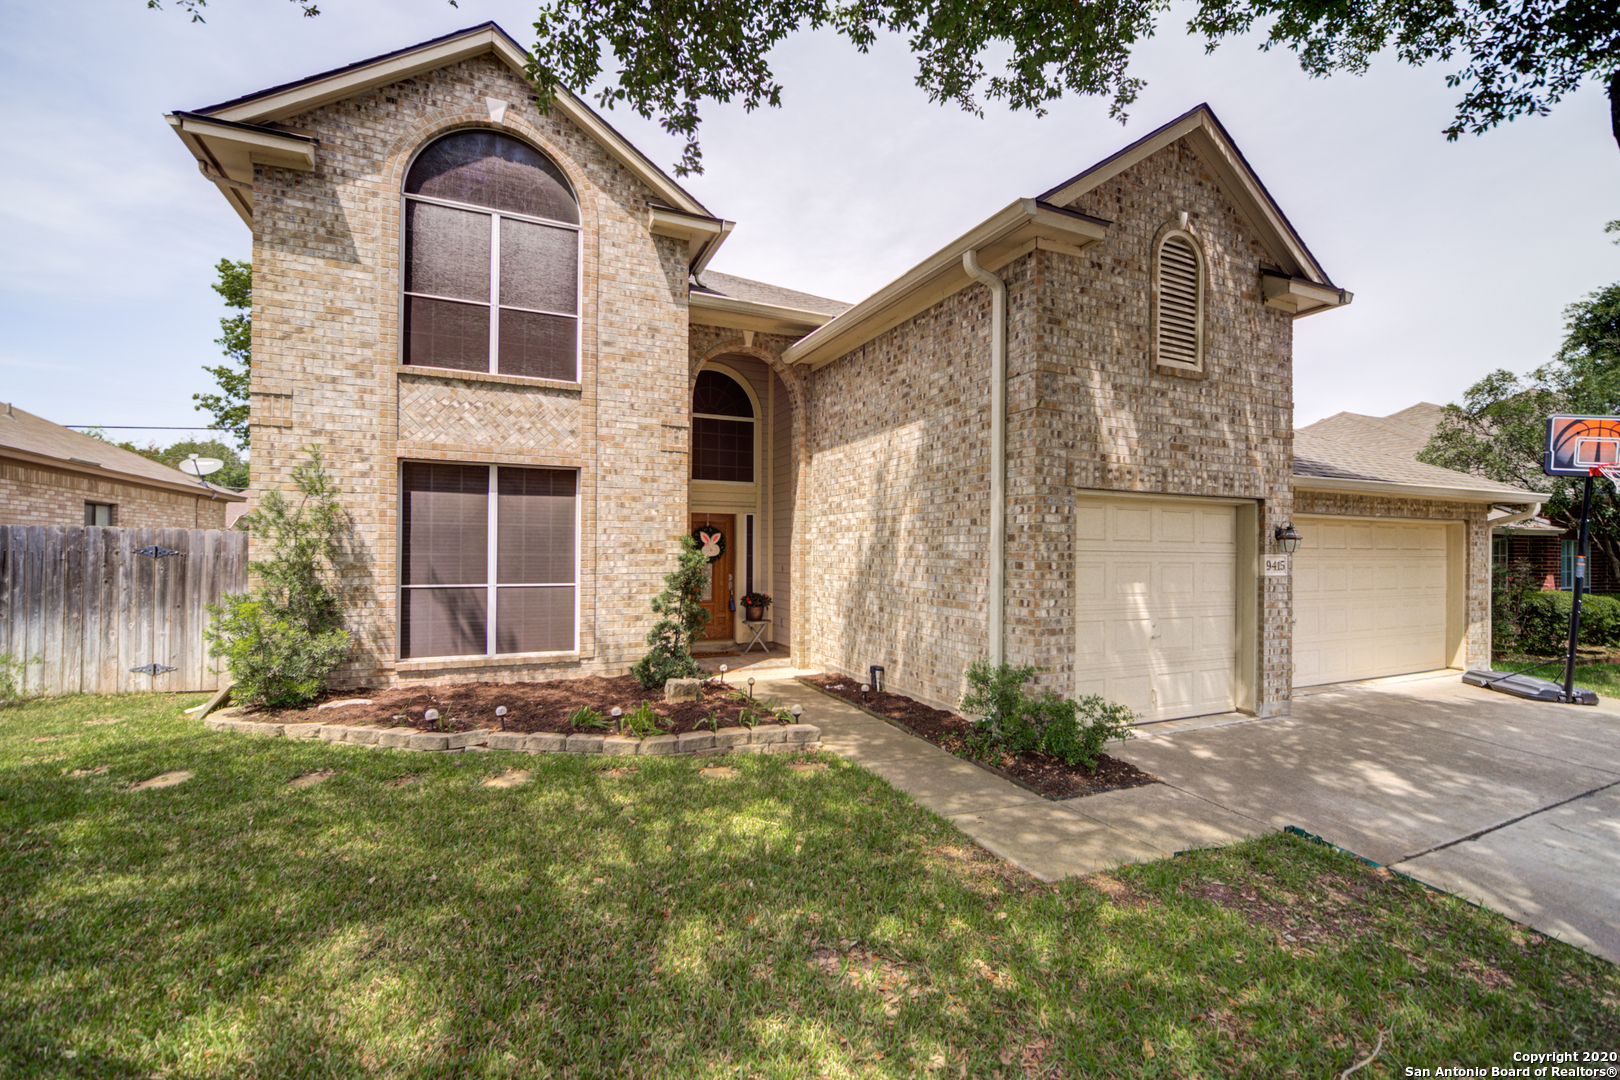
98 513
491 268
1179 303
722 429
1566 564
486 560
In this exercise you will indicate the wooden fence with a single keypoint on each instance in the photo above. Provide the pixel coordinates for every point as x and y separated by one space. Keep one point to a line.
90 607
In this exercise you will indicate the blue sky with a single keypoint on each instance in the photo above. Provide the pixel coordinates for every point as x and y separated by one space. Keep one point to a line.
1462 255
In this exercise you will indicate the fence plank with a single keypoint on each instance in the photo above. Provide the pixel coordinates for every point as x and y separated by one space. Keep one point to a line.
90 611
70 678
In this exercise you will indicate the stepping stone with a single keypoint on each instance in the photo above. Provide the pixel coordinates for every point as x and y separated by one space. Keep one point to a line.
168 779
310 779
341 704
717 772
808 766
97 771
509 779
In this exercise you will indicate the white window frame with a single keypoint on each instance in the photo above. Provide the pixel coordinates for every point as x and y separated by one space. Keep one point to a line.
493 304
491 555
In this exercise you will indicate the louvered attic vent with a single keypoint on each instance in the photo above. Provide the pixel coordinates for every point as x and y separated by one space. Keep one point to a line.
1180 301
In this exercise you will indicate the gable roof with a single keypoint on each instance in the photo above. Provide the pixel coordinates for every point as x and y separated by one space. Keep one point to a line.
39 440
1205 134
227 138
1351 452
1405 433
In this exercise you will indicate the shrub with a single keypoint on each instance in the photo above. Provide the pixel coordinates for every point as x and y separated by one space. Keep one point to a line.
641 722
282 639
587 718
683 619
1013 721
1544 622
1512 589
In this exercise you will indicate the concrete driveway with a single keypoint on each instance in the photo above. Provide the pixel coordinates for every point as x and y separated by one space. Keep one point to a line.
1509 803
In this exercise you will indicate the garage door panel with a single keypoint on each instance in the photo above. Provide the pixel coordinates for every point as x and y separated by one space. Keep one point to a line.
1155 626
1369 600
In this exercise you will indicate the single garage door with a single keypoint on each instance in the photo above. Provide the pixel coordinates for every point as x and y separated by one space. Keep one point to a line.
1369 599
1155 623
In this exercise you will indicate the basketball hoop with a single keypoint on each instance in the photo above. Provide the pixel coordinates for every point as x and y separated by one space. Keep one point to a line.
1610 472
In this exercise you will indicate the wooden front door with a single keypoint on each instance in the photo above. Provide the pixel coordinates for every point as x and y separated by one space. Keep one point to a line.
721 587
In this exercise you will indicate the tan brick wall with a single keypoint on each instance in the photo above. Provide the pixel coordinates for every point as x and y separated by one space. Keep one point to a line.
326 259
1477 599
901 439
33 494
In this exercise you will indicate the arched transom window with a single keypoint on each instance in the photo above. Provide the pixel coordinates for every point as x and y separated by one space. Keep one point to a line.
491 259
1179 294
722 429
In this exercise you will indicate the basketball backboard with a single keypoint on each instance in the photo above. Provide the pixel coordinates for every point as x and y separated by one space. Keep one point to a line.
1578 444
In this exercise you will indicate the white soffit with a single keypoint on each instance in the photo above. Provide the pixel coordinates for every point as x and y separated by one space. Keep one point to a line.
1203 132
737 314
1015 231
295 98
1415 491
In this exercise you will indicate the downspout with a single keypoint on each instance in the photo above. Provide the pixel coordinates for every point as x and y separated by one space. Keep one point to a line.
1514 519
998 451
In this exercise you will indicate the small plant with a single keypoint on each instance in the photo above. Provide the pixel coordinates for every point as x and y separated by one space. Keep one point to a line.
642 721
756 599
588 719
749 717
713 720
1013 721
282 639
12 671
683 619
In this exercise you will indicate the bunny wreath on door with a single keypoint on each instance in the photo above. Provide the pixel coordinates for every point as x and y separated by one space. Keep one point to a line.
711 541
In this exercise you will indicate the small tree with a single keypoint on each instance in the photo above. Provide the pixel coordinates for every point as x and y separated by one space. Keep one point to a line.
282 639
683 618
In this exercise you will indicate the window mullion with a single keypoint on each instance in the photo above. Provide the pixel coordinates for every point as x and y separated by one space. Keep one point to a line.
494 293
493 551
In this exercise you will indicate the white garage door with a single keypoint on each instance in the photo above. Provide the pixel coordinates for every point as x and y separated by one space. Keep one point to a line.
1369 599
1155 585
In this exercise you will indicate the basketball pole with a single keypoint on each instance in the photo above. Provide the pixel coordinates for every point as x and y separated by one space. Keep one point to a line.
1580 585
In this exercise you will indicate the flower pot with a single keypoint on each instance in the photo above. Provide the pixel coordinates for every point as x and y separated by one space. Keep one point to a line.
754 614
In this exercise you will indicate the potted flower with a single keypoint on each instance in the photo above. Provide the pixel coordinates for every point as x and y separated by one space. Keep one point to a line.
755 604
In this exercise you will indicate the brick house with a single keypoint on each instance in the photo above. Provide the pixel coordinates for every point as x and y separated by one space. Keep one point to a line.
1062 439
1548 549
52 475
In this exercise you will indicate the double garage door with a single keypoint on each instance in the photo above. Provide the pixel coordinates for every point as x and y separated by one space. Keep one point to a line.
1157 586
1370 599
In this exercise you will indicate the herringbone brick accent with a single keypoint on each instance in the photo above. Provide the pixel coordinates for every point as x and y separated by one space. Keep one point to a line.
451 414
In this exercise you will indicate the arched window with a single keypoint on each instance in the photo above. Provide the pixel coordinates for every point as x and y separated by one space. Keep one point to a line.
491 259
1179 303
722 430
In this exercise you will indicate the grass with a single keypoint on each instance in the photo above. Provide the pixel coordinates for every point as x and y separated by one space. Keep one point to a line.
656 923
1601 677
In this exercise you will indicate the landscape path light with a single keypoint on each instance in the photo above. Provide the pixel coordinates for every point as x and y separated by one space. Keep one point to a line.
617 713
500 714
750 688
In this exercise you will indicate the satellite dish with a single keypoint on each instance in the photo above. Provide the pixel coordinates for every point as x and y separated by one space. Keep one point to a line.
201 466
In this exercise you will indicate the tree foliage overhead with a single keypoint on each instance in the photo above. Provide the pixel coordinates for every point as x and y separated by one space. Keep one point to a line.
1518 57
230 405
234 475
1498 431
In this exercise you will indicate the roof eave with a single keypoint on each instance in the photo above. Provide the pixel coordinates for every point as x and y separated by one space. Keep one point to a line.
291 99
184 487
1414 491
1015 231
710 310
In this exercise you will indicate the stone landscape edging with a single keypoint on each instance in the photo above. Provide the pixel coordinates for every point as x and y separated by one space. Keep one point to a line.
771 739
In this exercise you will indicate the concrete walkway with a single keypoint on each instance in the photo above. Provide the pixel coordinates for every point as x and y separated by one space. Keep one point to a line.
1512 804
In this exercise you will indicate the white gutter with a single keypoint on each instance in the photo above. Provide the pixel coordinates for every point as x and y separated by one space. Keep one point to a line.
1514 519
1408 491
998 450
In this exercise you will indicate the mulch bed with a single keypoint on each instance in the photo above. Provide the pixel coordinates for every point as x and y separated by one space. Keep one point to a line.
1041 773
530 707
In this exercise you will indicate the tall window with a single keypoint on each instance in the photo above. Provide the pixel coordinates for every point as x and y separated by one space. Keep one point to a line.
1179 303
722 430
491 259
1566 564
482 575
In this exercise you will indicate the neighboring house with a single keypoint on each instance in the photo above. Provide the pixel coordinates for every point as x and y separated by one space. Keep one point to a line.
52 475
1515 539
1063 439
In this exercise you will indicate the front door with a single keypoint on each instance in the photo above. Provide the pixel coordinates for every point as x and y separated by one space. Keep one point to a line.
720 589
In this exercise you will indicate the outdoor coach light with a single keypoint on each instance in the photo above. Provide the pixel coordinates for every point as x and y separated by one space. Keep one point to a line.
1287 537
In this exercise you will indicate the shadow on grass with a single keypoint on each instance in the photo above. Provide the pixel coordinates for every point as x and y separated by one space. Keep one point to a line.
658 923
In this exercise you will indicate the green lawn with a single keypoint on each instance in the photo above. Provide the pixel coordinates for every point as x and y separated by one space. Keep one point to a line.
662 924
